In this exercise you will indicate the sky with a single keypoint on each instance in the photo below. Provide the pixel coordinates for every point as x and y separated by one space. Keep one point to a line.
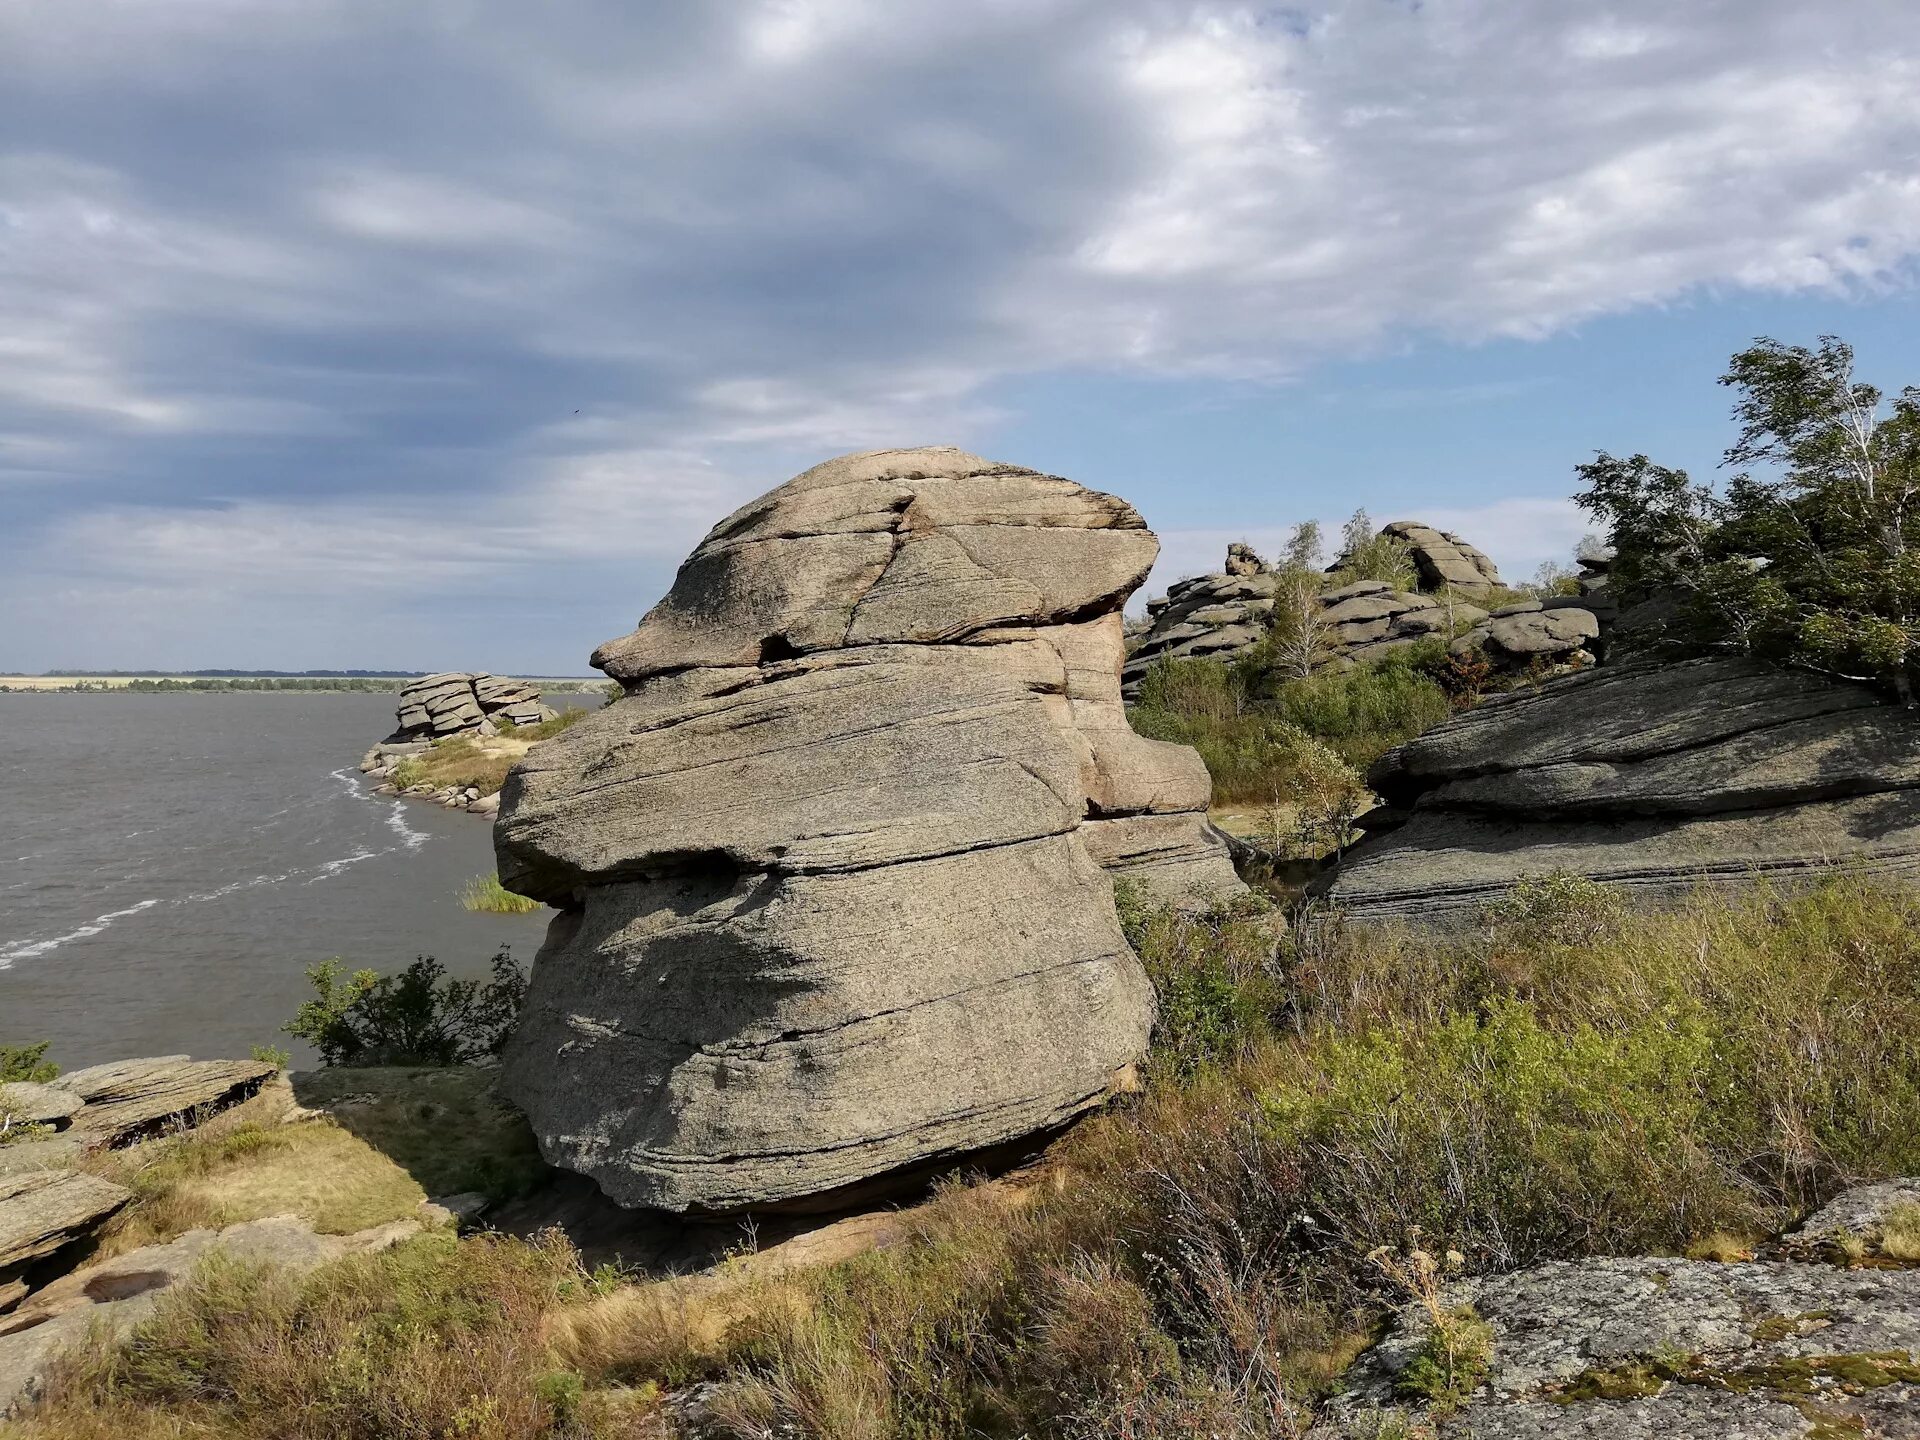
434 335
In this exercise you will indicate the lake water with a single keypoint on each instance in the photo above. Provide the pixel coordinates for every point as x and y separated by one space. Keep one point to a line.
170 864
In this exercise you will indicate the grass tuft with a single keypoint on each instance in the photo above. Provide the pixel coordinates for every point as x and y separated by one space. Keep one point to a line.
486 894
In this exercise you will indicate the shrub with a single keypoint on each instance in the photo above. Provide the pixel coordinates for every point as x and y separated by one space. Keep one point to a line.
1366 554
418 1017
27 1064
1252 725
1214 973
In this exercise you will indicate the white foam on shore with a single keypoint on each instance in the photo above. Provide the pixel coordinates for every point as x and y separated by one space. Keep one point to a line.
32 949
397 822
396 810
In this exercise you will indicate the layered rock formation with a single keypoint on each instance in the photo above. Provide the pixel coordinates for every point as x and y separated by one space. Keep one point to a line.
438 706
1443 559
1653 778
1222 616
832 871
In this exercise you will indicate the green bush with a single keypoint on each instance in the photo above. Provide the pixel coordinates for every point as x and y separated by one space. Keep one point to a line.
1248 723
27 1064
418 1017
1214 972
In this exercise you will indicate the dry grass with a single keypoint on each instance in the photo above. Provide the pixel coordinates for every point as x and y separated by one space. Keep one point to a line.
1566 1080
313 1169
479 763
1900 1233
436 1337
443 1126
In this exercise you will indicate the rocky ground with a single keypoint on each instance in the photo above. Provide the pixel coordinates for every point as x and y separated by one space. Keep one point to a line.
1818 1336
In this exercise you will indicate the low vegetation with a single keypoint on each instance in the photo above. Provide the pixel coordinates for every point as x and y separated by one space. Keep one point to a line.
1324 1107
479 762
26 1064
1293 748
485 893
247 1170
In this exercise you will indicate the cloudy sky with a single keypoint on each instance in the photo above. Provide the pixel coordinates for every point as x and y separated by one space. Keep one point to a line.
347 332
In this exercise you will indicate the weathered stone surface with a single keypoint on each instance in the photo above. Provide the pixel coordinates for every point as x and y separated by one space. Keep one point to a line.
1654 778
830 902
1558 631
131 1098
116 1295
24 1103
1662 1347
1242 561
1444 559
42 1211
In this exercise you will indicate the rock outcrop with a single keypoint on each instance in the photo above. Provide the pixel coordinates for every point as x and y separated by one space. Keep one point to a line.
1671 1349
43 1212
1557 631
128 1099
836 871
1655 778
436 707
1222 616
1443 559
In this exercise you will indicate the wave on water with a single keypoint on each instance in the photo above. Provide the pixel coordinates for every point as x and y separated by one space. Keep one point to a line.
395 819
30 949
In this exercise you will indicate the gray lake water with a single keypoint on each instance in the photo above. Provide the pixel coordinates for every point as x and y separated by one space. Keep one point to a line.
170 864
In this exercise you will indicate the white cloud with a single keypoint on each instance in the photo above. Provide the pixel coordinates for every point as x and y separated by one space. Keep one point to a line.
477 267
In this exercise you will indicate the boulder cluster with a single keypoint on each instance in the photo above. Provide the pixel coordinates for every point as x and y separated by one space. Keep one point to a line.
436 707
836 875
1223 616
1655 778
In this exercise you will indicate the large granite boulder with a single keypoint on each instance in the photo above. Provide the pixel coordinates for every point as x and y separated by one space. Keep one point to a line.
836 874
1655 778
438 707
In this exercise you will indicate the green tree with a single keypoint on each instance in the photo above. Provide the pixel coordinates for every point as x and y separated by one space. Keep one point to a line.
1811 559
418 1017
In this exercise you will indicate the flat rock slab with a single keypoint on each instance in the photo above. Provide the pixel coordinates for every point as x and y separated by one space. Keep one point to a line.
43 1210
1680 1349
131 1098
25 1103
